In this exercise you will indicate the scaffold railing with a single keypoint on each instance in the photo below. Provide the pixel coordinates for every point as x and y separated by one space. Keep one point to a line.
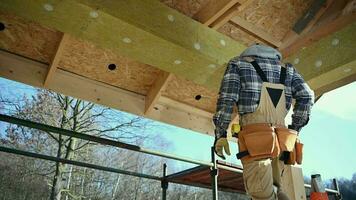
213 165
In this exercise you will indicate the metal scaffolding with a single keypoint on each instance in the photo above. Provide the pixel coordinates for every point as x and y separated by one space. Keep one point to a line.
213 165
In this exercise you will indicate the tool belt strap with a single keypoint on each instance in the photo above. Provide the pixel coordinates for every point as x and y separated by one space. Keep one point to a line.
262 75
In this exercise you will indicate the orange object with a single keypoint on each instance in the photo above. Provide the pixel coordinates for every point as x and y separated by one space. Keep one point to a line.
259 140
319 196
299 152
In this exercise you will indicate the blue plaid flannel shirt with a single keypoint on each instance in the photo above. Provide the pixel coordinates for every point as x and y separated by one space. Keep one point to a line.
241 85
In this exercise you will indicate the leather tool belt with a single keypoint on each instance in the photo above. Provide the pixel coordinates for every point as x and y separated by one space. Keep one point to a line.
296 156
260 141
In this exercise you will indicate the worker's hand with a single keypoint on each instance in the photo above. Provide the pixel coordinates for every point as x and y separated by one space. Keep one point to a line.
221 144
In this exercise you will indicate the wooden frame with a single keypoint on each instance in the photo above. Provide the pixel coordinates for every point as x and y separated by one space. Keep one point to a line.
30 72
292 36
255 31
213 10
151 103
155 92
55 61
319 33
151 26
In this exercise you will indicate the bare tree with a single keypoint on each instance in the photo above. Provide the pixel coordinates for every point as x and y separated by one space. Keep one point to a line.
72 114
26 178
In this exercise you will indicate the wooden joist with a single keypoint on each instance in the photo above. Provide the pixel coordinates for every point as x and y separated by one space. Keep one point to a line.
164 100
223 19
156 89
334 78
349 77
255 31
55 61
329 60
213 10
218 12
144 30
292 35
320 33
30 72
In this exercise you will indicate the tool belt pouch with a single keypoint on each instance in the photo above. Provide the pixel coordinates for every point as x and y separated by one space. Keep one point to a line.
298 152
290 157
259 140
287 140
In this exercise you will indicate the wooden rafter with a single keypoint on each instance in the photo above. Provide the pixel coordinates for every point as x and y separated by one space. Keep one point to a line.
334 84
31 72
218 12
331 57
223 19
54 64
292 35
155 91
255 31
322 31
185 107
213 10
141 25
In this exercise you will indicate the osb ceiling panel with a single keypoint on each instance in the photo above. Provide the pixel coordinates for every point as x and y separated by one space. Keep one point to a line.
276 17
28 38
186 91
239 35
187 7
86 59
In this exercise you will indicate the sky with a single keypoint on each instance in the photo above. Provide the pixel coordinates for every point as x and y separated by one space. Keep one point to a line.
329 138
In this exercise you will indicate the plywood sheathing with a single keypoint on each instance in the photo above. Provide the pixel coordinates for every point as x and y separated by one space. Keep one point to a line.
185 91
187 7
28 39
276 17
239 35
86 59
159 36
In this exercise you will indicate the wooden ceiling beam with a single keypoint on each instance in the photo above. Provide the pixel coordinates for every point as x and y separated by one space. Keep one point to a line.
255 31
213 10
144 30
292 36
155 91
223 19
164 100
218 12
331 58
320 33
349 78
55 60
31 72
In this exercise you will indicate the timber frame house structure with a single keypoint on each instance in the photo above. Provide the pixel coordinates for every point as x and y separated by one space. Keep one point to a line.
164 60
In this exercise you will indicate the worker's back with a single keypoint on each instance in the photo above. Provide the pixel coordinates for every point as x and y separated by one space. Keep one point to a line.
251 83
262 88
241 85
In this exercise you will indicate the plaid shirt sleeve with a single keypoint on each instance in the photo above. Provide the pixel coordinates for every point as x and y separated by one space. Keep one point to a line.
304 97
228 97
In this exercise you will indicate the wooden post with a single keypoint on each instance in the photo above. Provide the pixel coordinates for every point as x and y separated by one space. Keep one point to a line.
293 182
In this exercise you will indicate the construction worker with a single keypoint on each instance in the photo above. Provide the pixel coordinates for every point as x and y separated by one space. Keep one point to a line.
262 88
